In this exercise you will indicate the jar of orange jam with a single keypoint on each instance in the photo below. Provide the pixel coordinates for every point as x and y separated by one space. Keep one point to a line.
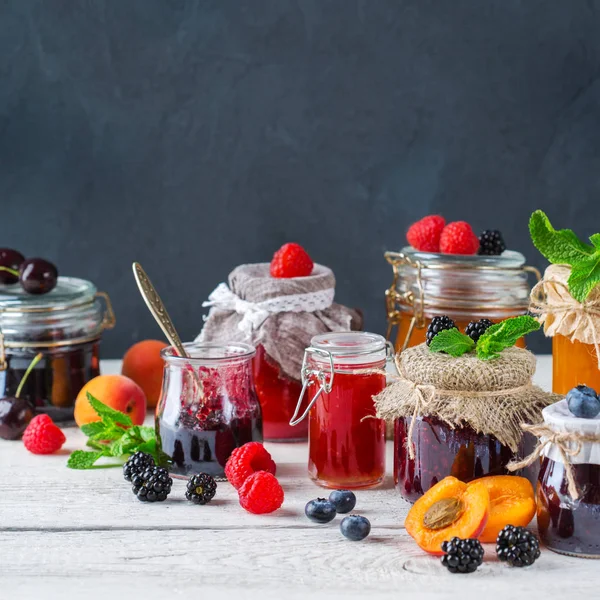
466 288
346 443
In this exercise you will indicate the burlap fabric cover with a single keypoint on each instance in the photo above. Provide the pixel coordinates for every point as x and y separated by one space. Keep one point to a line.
493 397
282 315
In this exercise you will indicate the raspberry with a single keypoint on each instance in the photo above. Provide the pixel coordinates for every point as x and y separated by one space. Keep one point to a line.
42 436
424 235
458 238
291 260
261 493
247 460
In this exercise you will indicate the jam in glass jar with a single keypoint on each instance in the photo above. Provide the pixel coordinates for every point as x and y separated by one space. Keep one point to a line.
346 443
208 406
573 362
65 326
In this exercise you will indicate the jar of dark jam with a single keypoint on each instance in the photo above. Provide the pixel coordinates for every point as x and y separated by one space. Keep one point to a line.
570 525
208 406
65 326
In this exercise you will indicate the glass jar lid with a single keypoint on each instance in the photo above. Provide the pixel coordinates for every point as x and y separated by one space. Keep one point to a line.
352 347
69 291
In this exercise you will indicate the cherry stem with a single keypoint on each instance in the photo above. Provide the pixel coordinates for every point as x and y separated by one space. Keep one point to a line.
30 368
9 270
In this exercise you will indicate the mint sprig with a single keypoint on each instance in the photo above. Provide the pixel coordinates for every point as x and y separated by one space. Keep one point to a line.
452 342
504 335
563 247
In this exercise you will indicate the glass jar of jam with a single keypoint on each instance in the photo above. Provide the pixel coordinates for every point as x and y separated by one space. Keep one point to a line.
573 362
65 326
208 406
465 288
346 443
566 524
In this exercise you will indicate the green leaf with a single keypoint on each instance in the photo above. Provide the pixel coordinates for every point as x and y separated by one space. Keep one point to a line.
504 335
96 445
108 414
148 434
452 342
80 459
149 447
584 277
595 239
93 429
559 247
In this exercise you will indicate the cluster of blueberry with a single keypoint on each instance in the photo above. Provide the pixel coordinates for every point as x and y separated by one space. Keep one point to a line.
583 402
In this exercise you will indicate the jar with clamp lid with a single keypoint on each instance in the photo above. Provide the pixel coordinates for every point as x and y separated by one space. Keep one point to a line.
346 443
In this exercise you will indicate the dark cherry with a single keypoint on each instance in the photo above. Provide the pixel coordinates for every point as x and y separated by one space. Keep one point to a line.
12 260
15 414
37 276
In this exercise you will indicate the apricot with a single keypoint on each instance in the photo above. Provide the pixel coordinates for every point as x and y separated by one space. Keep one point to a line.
449 509
116 391
512 502
143 364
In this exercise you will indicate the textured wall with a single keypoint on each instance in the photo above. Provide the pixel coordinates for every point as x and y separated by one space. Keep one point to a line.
193 136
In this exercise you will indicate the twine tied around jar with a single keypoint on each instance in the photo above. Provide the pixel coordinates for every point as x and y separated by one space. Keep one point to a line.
568 443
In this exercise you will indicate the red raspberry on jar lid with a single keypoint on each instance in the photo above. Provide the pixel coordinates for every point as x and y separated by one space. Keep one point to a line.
42 436
424 235
458 238
291 260
261 493
247 460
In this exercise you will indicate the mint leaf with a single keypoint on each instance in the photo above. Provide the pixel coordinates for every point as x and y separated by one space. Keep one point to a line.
585 276
108 414
559 247
504 335
92 429
595 239
452 342
147 434
80 459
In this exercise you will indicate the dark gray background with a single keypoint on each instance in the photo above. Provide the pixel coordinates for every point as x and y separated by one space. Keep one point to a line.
193 136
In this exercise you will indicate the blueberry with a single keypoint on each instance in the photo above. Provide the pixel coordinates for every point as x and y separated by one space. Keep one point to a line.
343 500
355 527
320 510
583 402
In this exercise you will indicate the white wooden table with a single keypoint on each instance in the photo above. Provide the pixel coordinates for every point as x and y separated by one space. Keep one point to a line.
82 534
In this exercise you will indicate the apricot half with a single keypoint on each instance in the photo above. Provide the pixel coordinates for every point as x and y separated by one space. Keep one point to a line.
449 509
512 502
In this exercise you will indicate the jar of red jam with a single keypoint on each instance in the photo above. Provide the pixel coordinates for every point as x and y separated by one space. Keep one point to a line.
208 406
65 326
346 443
567 524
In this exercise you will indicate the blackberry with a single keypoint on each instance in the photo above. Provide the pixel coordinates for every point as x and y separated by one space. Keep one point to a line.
201 488
491 243
517 546
475 329
137 463
152 485
462 556
438 324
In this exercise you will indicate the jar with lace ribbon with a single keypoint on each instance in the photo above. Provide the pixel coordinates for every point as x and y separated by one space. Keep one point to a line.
279 317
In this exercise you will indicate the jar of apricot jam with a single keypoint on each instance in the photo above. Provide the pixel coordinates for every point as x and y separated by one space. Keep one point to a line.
346 443
573 362
570 525
465 288
65 326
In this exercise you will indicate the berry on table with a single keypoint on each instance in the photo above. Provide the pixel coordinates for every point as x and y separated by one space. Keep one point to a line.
9 259
475 329
320 510
424 235
458 238
517 546
343 500
201 488
15 415
137 464
261 493
438 324
583 402
152 485
246 460
491 243
37 276
462 556
291 260
355 527
43 436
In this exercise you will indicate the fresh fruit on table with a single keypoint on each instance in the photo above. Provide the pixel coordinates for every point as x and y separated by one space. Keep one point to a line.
43 436
343 500
438 324
424 235
10 259
517 546
475 329
291 260
38 276
137 464
115 391
320 510
143 364
583 402
246 460
512 501
462 556
449 509
201 488
458 238
261 493
355 527
491 243
153 485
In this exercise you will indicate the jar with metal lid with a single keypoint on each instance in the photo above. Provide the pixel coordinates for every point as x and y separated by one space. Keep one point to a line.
465 288
65 326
